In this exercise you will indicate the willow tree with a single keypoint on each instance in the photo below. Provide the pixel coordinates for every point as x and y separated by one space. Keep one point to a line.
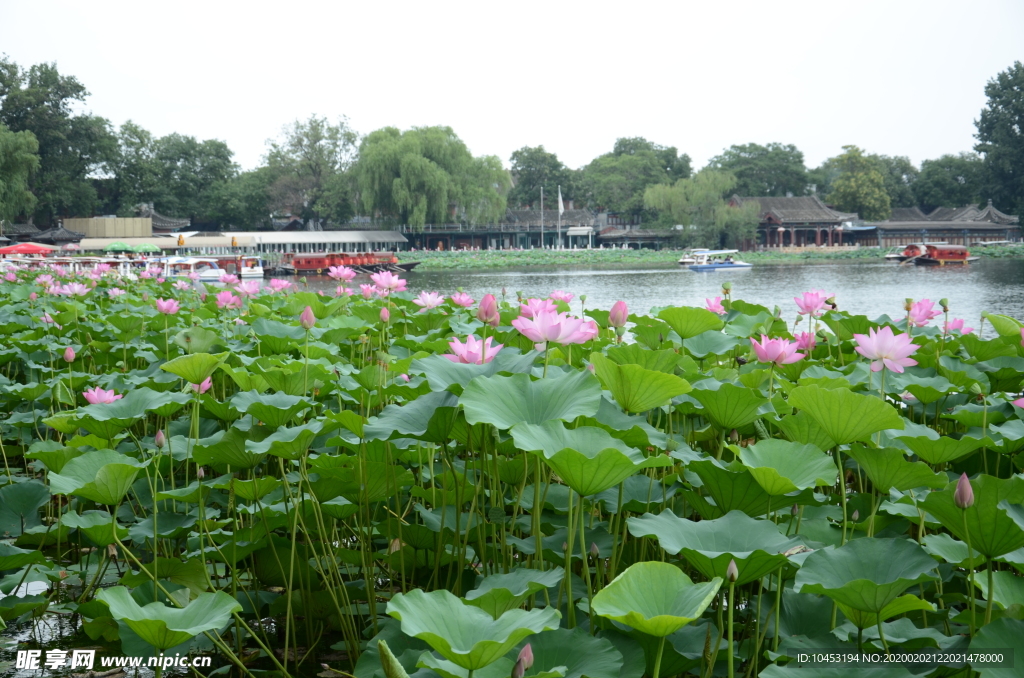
427 175
698 205
18 161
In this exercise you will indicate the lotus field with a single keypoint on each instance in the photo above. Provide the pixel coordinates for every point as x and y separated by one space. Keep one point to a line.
378 485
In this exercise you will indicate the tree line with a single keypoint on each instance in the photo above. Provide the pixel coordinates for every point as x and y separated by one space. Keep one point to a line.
57 161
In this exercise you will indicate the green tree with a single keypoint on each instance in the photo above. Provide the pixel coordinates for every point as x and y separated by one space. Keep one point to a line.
137 176
72 146
533 168
427 175
617 181
307 161
698 204
950 181
899 175
859 186
772 170
190 170
242 201
1001 138
18 161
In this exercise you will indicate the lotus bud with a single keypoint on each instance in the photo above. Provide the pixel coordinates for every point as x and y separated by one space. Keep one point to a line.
590 366
618 315
794 510
526 656
69 355
404 377
565 546
385 315
307 319
33 296
487 311
160 439
963 496
503 293
594 551
200 473
518 671
855 517
726 287
734 436
732 573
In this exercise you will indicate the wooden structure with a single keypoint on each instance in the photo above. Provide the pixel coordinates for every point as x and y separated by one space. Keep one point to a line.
966 226
942 255
111 227
798 221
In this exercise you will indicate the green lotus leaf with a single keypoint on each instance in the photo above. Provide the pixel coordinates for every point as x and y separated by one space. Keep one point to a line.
499 593
654 598
902 605
941 450
729 406
444 375
195 367
688 321
250 490
227 448
164 627
634 388
781 466
462 633
888 468
845 416
107 420
801 428
54 458
930 389
389 663
12 607
635 354
196 340
865 574
507 401
287 442
733 490
189 573
103 476
14 558
588 459
19 506
991 530
577 652
999 635
1007 588
430 417
757 546
942 545
98 526
274 409
501 668
712 342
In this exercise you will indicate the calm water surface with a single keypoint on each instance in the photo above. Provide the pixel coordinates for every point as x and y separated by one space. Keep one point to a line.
868 288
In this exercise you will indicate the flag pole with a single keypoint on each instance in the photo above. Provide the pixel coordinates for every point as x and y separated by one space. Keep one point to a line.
542 217
559 217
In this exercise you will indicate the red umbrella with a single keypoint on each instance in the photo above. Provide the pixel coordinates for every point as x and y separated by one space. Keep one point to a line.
26 248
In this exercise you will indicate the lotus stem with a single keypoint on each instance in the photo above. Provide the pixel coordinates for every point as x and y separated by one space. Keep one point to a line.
657 660
970 570
990 596
732 602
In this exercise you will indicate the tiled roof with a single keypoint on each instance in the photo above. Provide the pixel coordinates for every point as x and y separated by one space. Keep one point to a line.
19 229
797 210
532 217
59 234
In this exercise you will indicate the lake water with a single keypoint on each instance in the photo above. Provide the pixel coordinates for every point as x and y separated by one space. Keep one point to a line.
868 288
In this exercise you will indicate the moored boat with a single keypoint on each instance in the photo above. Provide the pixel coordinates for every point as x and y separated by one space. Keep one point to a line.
944 255
319 263
717 260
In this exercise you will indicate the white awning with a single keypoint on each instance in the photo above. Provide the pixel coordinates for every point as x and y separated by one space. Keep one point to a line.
579 230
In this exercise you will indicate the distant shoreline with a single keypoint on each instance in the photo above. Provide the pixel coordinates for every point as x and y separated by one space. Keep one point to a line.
523 259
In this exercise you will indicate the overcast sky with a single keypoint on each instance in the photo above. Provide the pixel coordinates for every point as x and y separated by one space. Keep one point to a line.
896 77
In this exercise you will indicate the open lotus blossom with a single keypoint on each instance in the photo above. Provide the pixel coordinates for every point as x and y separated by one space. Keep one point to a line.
532 307
182 285
229 278
487 311
806 341
921 312
10 276
473 352
115 292
102 268
192 275
167 306
619 314
99 396
779 351
278 285
462 299
715 305
886 350
560 328
388 281
45 280
74 290
559 295
341 273
145 275
811 303
1019 402
956 325
428 300
203 387
248 288
367 291
226 299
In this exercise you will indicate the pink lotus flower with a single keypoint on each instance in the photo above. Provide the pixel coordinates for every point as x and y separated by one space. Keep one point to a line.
278 285
473 352
145 275
45 280
307 319
462 299
167 306
385 315
203 387
69 355
921 312
228 278
343 291
957 324
810 303
226 299
526 656
182 285
115 292
1019 402
99 396
239 321
715 305
74 290
193 276
778 351
560 328
404 377
487 311
10 277
48 319
619 314
963 495
33 296
559 295
885 349
367 291
160 280
428 301
248 288
160 439
806 341
534 306
341 273
102 268
388 282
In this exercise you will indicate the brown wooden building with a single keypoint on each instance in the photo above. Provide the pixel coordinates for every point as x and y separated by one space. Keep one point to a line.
966 226
797 221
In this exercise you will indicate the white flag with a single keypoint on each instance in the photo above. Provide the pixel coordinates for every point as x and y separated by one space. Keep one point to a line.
561 207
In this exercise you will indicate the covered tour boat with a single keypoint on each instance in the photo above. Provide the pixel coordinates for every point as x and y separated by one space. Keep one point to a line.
944 255
717 260
319 263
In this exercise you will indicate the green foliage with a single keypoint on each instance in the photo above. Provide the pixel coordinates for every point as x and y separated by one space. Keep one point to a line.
19 159
950 181
699 206
772 170
1000 140
534 168
859 186
617 181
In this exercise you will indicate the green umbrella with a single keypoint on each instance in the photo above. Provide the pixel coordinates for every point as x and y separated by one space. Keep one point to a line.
145 247
117 246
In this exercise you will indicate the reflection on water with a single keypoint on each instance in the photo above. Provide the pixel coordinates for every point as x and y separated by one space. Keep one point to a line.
869 288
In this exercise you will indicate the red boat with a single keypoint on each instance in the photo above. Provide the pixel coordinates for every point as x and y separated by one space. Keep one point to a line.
939 255
320 262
